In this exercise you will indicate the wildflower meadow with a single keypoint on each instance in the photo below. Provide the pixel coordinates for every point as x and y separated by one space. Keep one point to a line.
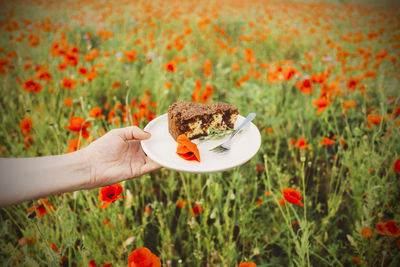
322 77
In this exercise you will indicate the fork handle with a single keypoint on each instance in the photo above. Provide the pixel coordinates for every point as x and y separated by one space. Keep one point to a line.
248 119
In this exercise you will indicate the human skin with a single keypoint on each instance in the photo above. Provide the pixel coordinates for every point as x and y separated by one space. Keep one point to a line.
114 157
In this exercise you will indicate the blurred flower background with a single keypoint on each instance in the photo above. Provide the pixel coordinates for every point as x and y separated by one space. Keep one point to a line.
323 78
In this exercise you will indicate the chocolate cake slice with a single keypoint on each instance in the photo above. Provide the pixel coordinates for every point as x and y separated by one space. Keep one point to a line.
195 119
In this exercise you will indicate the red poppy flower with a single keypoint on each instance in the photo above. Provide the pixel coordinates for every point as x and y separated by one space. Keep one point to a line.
73 145
380 229
71 59
95 113
391 228
28 140
374 118
130 55
68 83
292 196
352 84
32 86
349 104
77 123
396 166
305 86
44 76
142 257
187 149
170 66
366 232
42 208
327 142
288 73
247 264
82 70
109 194
68 102
25 125
301 143
207 93
322 103
92 263
196 210
181 203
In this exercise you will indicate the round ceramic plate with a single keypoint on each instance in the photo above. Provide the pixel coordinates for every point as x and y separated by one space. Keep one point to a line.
161 148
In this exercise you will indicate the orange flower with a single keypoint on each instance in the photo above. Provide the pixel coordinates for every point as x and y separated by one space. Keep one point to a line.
68 83
352 84
32 86
25 125
391 228
109 194
349 104
96 113
62 66
301 143
68 102
82 70
73 145
322 103
288 73
396 166
305 86
282 202
116 85
181 203
169 85
380 229
71 59
43 208
366 232
374 118
28 140
77 123
247 264
292 196
327 142
44 76
170 66
196 210
147 210
207 93
187 149
195 94
142 257
207 68
130 55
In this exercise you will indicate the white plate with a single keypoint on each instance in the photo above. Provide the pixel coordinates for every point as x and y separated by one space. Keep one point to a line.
161 148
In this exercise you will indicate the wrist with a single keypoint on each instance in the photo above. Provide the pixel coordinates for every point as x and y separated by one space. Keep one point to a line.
81 163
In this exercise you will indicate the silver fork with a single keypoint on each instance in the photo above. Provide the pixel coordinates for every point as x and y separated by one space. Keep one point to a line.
226 146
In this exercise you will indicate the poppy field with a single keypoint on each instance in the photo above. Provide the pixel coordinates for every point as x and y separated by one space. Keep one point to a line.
322 77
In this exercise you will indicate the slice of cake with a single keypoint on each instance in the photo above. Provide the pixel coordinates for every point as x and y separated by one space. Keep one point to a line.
195 120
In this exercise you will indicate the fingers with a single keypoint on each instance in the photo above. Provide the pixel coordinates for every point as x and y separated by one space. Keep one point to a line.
132 133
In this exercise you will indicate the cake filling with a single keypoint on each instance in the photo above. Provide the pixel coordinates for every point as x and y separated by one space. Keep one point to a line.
195 120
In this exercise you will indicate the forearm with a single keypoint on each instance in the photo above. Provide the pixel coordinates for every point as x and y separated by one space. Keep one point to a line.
25 179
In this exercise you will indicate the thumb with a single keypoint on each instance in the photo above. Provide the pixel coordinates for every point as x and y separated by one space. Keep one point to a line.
132 133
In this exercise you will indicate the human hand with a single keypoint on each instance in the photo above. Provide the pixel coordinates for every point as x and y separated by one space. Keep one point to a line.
118 156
